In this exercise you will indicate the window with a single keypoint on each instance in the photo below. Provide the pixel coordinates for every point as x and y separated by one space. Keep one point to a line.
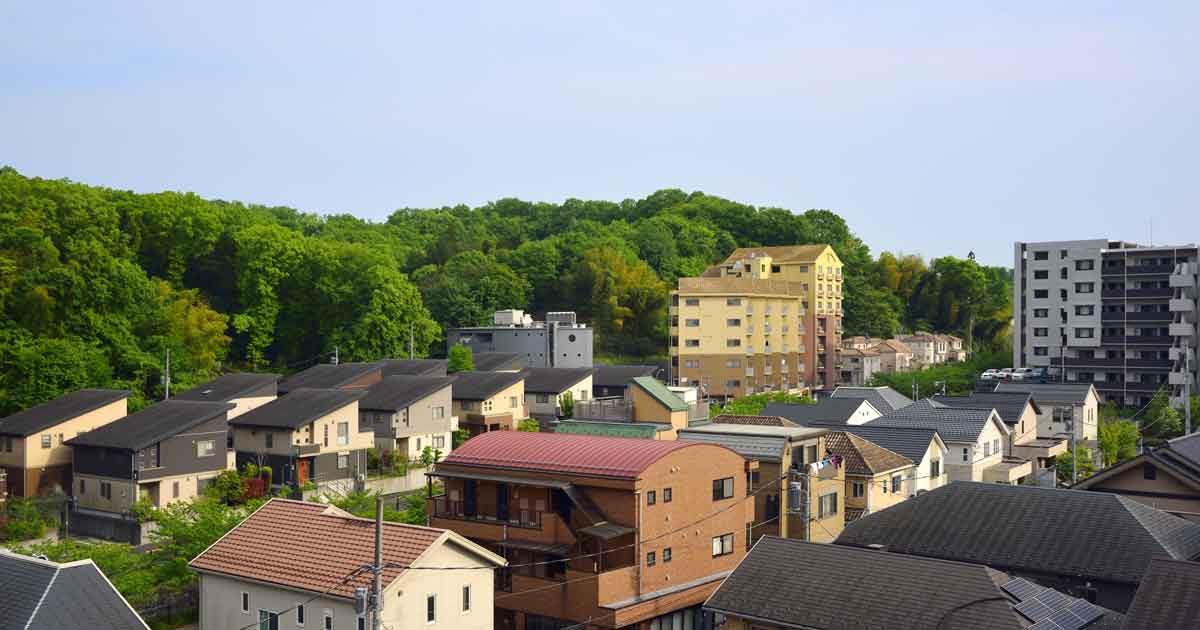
733 343
542 399
828 505
996 445
733 322
343 460
896 481
1085 287
1041 255
691 302
106 492
268 620
722 545
857 489
667 554
987 449
1041 312
430 608
327 435
650 558
360 623
1040 351
691 343
691 323
487 405
810 454
666 495
1041 332
722 488
1041 274
651 497
46 440
691 363
733 363
733 301
512 402
1085 309
466 592
1041 293
270 437
1085 265
1085 333
733 382
328 625
245 602
439 412
966 454
439 441
935 468
175 490
82 487
1149 472
343 433
299 614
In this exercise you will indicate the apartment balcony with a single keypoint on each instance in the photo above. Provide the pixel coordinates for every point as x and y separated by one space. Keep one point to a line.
1185 329
1128 386
1149 316
1181 378
1040 448
1079 362
1178 354
304 450
492 523
1184 276
1010 470
604 410
1136 294
1139 270
1136 340
1181 305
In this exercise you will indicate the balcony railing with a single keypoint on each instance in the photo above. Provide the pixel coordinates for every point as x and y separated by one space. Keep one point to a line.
443 507
1163 364
1139 270
604 409
1163 316
1136 340
1133 294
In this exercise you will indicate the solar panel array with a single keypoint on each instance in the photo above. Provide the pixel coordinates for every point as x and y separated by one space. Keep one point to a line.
1050 609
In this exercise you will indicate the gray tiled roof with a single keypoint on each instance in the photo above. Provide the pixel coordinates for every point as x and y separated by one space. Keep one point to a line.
493 361
909 442
1093 535
1075 393
619 375
483 385
229 386
43 416
953 424
394 393
413 367
1168 597
1010 405
553 380
327 376
42 595
152 424
885 399
758 447
830 411
298 408
810 585
1187 448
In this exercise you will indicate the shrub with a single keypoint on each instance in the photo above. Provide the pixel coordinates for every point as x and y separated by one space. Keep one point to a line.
373 459
228 487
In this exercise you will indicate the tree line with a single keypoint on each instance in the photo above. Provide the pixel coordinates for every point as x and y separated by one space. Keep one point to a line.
97 284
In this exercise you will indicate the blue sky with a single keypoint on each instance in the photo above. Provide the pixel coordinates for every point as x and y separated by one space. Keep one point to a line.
936 130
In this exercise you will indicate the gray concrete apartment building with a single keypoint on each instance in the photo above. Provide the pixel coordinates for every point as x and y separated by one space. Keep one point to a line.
1118 315
560 341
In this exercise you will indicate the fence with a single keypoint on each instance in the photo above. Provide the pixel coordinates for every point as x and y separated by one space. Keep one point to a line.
171 605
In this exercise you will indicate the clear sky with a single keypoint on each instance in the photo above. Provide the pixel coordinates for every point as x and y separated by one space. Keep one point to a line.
936 130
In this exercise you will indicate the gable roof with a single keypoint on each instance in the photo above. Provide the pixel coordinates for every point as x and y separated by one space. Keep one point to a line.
413 367
591 455
554 380
780 253
761 421
1043 530
911 442
1163 458
152 424
495 361
300 407
1186 447
659 392
1010 405
828 411
53 412
1168 597
328 376
229 386
1074 393
394 393
619 375
885 399
313 547
44 595
862 456
482 385
954 424
809 585
892 346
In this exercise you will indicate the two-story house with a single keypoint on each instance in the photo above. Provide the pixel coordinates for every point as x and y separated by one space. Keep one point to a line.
924 346
489 401
409 413
923 446
858 367
310 435
1064 408
166 452
612 380
894 356
875 476
648 409
545 389
33 454
611 532
295 565
1020 412
797 484
1166 478
246 390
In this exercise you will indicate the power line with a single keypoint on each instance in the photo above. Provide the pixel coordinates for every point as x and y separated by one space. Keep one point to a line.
306 602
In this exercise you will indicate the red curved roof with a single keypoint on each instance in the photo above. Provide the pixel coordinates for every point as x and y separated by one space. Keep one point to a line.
565 453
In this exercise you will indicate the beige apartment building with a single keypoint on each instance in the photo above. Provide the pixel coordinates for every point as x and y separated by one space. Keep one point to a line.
765 319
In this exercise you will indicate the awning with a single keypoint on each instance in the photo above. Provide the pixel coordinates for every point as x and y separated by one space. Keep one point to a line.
480 476
554 550
605 530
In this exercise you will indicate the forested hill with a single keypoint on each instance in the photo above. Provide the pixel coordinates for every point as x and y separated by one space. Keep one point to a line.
97 284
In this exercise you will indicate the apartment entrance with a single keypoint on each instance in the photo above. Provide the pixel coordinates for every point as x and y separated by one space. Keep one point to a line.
303 471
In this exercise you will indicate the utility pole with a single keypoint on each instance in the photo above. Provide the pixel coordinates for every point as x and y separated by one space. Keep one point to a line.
167 376
335 355
377 569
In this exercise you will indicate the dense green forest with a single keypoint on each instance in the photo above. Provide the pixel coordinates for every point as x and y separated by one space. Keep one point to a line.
96 285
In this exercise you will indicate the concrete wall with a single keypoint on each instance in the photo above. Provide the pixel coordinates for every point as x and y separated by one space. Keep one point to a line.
1025 283
538 346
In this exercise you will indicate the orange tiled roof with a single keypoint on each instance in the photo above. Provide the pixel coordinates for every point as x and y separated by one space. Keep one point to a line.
311 547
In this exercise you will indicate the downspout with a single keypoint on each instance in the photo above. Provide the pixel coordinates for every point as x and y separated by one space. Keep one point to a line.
637 496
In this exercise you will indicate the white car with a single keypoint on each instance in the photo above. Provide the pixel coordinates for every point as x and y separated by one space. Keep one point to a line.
1022 374
990 375
1006 374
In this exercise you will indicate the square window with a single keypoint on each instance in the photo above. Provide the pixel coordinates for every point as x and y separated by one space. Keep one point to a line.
722 545
207 448
1085 265
1041 312
1041 255
691 323
722 489
1085 287
1041 293
650 558
1085 333
1041 274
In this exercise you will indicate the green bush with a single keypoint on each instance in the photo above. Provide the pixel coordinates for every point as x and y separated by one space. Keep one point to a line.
25 521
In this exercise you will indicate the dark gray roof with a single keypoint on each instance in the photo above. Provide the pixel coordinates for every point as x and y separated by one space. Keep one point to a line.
553 380
414 367
830 411
1075 393
493 361
756 447
1168 597
909 442
298 408
885 399
619 375
152 424
229 386
811 585
953 424
327 376
39 418
483 385
42 595
1186 447
1093 535
1010 405
394 393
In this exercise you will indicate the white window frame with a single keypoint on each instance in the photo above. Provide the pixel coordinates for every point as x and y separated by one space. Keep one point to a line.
466 599
343 440
327 619
244 601
430 597
339 461
301 614
212 448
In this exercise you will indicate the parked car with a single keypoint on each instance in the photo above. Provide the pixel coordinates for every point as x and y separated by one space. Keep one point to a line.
990 375
1022 374
1006 374
1040 375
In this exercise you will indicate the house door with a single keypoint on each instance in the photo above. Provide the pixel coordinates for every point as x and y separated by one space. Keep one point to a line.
502 502
303 471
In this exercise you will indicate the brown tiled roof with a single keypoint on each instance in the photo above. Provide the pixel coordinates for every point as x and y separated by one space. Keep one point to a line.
892 345
739 286
780 253
311 547
761 421
863 457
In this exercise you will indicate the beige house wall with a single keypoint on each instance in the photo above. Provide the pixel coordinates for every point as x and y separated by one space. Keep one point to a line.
28 453
1026 429
579 391
972 470
254 439
501 403
925 480
242 405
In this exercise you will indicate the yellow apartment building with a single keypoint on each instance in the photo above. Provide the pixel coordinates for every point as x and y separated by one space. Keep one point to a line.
765 319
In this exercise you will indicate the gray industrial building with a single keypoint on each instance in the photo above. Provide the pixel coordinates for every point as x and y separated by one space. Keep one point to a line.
1118 315
559 341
